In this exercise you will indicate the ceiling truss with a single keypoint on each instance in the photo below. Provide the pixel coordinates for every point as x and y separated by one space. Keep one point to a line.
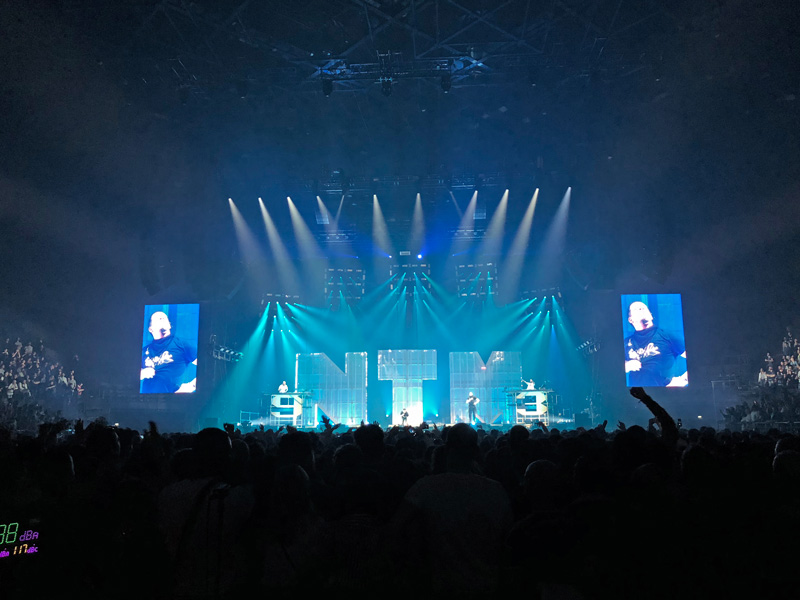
357 43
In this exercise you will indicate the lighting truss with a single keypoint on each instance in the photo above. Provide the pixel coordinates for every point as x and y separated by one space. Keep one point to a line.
344 283
271 300
390 65
412 277
588 347
336 182
207 45
341 236
554 292
278 297
546 294
226 354
467 233
477 280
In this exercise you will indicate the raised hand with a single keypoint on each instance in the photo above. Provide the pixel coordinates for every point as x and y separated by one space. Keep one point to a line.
632 365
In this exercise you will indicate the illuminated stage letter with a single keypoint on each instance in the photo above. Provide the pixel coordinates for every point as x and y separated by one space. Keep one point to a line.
495 383
406 369
342 396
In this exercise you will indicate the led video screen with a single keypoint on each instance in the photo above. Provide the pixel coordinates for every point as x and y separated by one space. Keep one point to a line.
169 349
655 347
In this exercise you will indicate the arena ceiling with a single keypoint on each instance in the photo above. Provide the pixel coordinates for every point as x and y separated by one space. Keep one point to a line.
123 119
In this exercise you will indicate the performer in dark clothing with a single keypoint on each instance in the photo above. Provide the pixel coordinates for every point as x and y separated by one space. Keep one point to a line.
404 417
651 353
165 359
472 406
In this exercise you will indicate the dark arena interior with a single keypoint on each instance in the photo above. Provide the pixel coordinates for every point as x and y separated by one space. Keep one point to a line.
428 297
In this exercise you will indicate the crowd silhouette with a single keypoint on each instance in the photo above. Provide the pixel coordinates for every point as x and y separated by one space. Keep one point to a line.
459 511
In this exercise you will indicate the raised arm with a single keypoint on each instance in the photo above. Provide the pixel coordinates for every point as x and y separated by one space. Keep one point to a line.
669 431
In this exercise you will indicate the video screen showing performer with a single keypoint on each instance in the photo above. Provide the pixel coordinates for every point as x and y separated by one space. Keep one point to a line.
655 347
169 349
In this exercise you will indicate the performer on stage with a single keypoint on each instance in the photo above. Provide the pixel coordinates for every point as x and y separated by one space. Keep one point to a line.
527 386
404 417
472 406
283 388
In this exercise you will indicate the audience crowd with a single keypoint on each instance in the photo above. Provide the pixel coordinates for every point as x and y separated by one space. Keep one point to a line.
454 512
34 387
775 400
786 374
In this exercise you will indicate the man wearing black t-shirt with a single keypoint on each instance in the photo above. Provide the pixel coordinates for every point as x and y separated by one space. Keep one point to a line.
472 406
165 359
651 352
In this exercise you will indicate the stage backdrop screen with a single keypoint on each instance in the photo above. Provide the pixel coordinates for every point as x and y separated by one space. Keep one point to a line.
169 349
655 347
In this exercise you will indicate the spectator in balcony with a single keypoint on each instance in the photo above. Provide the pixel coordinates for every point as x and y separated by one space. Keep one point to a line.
770 376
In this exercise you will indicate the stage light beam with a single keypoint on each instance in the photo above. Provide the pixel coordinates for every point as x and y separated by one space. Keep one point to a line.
380 232
467 222
512 268
552 254
310 251
493 239
287 273
247 241
417 227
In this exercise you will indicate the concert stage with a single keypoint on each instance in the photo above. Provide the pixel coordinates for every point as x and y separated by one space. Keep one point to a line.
308 408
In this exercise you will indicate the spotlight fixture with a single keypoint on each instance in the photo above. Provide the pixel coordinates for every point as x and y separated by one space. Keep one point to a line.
327 87
386 86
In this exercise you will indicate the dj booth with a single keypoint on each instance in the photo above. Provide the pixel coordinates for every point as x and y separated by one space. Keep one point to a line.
531 406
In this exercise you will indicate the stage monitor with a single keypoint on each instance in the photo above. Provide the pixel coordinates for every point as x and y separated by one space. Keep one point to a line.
169 349
654 343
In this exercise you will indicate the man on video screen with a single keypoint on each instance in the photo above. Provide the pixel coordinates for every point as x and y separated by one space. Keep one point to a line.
165 359
651 352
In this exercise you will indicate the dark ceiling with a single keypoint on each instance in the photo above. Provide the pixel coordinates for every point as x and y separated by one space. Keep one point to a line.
126 126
